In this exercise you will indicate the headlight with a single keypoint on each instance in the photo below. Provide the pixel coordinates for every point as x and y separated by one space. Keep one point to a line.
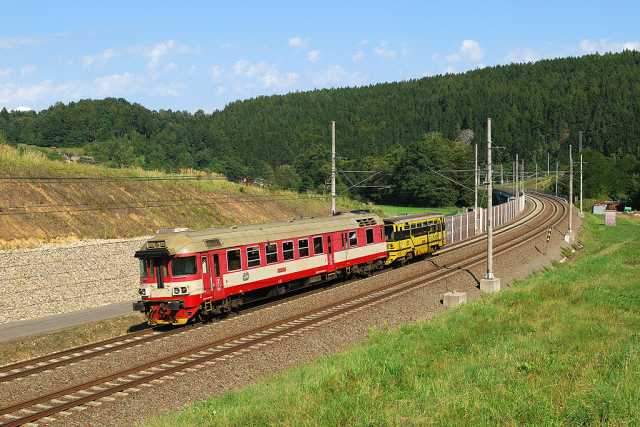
184 290
142 291
176 291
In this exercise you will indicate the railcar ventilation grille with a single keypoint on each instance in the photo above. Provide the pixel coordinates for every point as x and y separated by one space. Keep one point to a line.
365 222
213 243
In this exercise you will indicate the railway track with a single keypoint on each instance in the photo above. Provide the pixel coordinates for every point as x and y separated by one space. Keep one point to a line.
93 393
27 368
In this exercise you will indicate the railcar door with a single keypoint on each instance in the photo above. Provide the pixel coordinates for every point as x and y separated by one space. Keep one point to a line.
206 274
216 277
329 250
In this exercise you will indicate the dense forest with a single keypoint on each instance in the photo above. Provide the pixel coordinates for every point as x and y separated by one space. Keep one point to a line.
397 128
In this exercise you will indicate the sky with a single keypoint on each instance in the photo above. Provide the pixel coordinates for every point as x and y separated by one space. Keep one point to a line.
205 54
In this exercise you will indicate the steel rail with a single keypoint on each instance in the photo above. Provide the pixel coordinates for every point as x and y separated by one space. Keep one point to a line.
50 361
222 349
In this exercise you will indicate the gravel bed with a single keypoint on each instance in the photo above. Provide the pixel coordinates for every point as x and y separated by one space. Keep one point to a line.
81 372
421 304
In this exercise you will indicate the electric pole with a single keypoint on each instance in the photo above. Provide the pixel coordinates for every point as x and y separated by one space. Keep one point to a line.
556 178
333 168
580 135
547 163
570 232
475 197
489 284
501 174
536 175
516 168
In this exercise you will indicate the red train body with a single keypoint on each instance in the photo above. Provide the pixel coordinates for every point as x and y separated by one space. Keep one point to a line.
187 274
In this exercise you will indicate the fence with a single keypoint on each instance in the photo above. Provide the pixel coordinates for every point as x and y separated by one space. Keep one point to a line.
461 227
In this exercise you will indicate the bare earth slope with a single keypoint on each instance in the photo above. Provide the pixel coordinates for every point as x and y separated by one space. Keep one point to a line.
99 202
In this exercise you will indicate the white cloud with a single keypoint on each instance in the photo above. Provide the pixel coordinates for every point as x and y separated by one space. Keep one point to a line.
114 84
298 42
335 75
13 94
263 73
604 45
100 58
384 52
313 55
522 56
216 73
23 108
28 69
469 51
358 56
15 42
5 72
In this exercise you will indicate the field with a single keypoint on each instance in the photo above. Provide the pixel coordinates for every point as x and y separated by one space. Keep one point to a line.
559 348
114 202
389 210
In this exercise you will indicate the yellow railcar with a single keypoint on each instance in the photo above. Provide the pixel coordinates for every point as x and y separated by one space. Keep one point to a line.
411 236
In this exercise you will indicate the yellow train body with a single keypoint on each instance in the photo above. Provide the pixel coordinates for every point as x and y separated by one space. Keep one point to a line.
413 236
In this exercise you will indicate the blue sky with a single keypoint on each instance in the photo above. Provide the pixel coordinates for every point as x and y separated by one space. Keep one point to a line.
203 55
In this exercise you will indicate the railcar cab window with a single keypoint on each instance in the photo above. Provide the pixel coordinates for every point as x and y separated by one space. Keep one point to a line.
144 268
317 245
233 260
160 267
253 256
353 239
303 248
183 266
369 236
287 250
388 232
272 253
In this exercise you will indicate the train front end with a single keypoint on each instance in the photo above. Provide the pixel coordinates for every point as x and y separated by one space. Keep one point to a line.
170 286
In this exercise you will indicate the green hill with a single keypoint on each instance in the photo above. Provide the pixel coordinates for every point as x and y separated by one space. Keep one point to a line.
536 108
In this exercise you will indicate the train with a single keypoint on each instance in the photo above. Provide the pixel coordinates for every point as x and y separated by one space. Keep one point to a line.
193 275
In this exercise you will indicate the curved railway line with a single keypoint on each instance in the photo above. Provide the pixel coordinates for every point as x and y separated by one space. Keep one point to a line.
545 212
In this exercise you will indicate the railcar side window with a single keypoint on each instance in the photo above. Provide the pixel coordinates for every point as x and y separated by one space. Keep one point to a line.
303 247
353 239
272 253
317 245
233 260
183 266
369 236
253 256
287 250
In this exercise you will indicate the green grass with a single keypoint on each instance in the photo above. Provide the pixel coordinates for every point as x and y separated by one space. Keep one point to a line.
560 348
390 210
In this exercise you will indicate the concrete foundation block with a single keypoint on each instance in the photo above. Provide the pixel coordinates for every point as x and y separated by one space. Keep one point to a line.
489 286
453 299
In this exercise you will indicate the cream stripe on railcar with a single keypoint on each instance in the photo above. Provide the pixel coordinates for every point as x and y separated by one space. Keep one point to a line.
195 287
360 252
244 277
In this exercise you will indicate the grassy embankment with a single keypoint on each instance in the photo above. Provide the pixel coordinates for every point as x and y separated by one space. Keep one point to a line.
389 210
33 212
561 347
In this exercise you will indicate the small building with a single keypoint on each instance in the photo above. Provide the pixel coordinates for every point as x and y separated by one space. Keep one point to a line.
599 209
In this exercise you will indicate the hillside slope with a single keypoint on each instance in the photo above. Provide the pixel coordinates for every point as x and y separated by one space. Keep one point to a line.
43 200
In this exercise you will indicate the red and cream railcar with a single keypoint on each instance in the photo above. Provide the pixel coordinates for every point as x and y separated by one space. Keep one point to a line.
184 274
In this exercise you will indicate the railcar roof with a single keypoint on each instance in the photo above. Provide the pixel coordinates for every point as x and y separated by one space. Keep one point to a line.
187 241
412 217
